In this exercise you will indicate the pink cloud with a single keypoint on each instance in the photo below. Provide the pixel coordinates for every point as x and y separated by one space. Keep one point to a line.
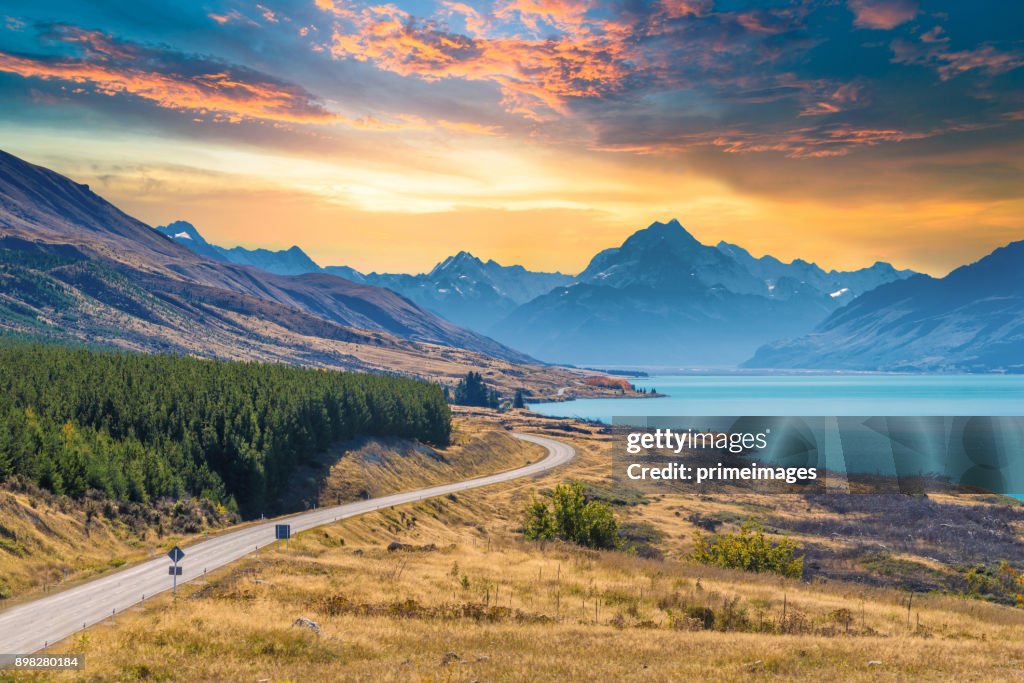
213 89
882 14
686 8
842 98
951 63
935 35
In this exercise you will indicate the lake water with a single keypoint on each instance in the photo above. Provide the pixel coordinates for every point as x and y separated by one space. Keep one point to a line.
807 395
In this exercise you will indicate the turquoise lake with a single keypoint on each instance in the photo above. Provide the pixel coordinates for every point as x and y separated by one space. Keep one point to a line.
807 395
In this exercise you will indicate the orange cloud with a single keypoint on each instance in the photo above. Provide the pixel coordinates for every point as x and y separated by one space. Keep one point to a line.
536 76
213 91
843 97
800 143
170 80
228 98
675 9
476 23
564 14
234 16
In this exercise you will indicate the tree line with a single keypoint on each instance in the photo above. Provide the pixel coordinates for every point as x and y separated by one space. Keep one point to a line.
138 427
471 390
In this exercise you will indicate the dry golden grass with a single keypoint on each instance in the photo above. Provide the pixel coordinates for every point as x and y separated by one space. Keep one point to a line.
43 536
375 467
509 610
525 613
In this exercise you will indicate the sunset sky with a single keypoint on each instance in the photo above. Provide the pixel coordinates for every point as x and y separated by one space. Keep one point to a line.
389 136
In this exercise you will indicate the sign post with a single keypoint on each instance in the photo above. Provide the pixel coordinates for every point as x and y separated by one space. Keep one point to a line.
176 554
283 532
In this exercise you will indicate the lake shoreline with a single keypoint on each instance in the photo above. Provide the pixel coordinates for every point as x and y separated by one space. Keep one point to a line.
829 394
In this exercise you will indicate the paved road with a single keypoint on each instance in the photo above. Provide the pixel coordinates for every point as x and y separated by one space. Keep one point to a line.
32 626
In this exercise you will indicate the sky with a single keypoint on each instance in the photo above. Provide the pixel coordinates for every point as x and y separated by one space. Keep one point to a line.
389 136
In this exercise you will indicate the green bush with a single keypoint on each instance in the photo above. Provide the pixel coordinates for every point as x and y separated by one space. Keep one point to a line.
572 519
749 550
539 524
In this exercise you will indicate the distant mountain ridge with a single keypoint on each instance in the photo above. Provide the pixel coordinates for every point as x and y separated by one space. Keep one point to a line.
469 291
580 319
782 278
462 288
972 320
666 254
664 298
291 261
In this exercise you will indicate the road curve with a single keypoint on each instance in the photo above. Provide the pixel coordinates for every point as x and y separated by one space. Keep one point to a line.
34 625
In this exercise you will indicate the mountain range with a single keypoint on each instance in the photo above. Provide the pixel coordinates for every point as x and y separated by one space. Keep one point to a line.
42 210
972 320
462 288
292 261
664 298
661 281
74 267
467 290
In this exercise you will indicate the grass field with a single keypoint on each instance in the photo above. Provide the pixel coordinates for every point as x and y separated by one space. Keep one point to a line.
465 598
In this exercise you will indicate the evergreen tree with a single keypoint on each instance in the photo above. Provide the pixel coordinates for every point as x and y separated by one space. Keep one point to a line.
518 401
472 391
138 427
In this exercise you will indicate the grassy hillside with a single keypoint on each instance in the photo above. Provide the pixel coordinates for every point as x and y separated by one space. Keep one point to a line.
466 598
48 540
468 610
378 466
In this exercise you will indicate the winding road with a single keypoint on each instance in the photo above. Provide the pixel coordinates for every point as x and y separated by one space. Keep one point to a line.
35 625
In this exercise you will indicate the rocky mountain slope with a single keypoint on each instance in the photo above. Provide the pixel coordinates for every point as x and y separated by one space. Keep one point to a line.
971 320
111 259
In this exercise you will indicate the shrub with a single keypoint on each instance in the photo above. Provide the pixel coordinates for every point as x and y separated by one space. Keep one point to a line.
572 519
539 525
1004 584
749 550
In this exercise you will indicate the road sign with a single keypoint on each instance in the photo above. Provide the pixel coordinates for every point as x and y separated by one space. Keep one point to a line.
176 554
283 532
